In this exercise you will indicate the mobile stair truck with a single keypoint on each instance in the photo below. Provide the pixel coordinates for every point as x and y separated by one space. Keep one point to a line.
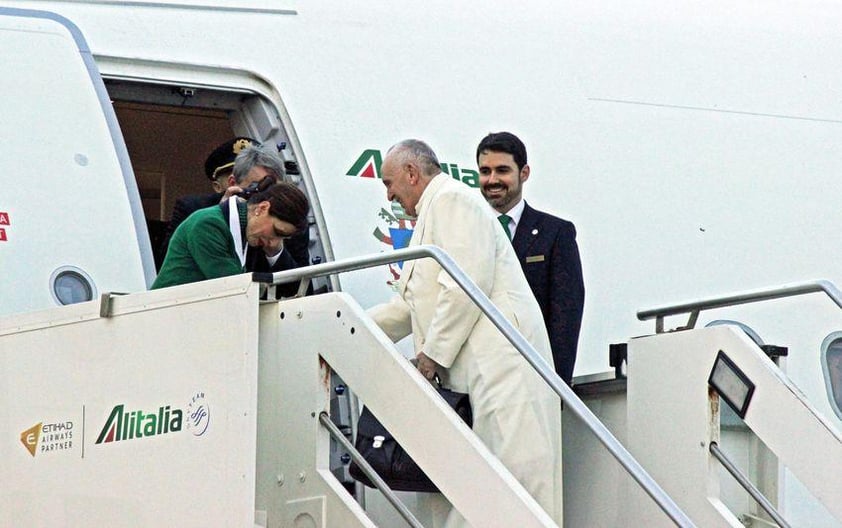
136 410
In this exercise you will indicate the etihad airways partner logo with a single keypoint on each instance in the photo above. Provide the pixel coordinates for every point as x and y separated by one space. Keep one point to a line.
42 438
369 162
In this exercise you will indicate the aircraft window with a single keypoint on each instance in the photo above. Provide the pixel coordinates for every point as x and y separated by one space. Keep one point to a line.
71 285
832 369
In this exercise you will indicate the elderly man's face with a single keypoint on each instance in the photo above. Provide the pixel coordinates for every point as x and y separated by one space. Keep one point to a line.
401 184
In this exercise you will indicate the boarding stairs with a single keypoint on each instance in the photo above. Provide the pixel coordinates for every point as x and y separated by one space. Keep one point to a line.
267 455
354 348
683 373
672 423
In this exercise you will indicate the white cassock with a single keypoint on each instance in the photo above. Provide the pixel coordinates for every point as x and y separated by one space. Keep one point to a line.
515 413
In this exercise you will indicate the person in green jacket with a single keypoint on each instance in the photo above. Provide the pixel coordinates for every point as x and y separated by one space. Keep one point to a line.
205 247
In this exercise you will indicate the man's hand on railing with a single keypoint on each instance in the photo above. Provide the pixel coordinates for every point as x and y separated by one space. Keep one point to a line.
426 366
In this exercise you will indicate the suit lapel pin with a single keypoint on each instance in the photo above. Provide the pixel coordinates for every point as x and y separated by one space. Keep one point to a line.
534 231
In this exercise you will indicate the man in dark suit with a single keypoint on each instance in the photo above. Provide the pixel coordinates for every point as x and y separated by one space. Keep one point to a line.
545 245
219 168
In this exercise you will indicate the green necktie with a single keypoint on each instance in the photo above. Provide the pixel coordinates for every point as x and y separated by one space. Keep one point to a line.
504 221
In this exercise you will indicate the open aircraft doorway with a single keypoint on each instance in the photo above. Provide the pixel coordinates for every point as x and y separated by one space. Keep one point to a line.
171 128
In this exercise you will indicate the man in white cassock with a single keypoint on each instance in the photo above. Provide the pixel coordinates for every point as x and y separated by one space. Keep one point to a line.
515 413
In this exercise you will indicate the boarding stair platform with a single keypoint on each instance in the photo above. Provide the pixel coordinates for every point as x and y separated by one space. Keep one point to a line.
203 405
667 407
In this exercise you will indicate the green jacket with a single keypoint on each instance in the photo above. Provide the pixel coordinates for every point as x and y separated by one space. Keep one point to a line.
201 248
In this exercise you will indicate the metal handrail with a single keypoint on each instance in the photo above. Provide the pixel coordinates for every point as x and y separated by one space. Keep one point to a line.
369 471
752 296
748 486
574 404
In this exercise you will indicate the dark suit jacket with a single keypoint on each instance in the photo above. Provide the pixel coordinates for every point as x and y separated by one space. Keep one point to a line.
295 255
184 207
296 249
547 251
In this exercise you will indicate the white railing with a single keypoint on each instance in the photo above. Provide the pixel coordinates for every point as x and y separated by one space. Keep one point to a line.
765 294
573 403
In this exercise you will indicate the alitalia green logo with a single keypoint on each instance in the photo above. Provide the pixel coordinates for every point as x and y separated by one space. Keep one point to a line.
369 162
367 165
122 425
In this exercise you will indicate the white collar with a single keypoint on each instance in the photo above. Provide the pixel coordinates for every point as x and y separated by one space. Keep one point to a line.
516 212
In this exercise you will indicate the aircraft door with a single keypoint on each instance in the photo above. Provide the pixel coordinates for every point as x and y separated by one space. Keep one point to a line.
71 222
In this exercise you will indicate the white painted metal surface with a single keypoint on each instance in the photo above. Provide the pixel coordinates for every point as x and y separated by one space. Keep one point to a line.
672 421
294 484
674 416
160 413
108 389
187 387
62 173
597 490
454 458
